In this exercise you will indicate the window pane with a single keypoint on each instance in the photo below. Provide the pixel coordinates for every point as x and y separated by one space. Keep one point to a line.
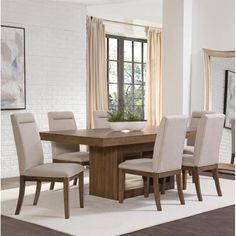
139 110
137 73
138 92
113 97
113 71
144 72
127 50
145 52
112 49
137 51
128 98
127 72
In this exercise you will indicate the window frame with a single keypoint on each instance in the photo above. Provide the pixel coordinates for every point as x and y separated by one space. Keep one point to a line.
120 69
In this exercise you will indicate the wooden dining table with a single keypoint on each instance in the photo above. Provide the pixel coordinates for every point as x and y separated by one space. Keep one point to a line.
107 150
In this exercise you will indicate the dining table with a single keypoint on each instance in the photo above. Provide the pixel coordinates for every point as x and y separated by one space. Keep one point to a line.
107 149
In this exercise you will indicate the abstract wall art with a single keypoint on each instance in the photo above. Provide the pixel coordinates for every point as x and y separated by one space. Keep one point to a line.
13 89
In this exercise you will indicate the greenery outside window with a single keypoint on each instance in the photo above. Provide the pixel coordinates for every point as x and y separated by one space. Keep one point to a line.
126 73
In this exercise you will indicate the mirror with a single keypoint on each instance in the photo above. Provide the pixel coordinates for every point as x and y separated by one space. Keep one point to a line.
219 89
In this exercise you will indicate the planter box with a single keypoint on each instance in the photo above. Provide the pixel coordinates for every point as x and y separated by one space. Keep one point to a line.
127 125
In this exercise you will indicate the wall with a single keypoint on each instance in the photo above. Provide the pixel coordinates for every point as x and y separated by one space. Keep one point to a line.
177 27
55 66
213 28
149 11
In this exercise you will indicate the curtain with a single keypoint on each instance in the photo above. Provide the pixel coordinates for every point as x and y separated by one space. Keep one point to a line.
153 98
97 98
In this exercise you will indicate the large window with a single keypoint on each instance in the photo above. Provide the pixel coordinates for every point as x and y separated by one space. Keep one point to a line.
126 73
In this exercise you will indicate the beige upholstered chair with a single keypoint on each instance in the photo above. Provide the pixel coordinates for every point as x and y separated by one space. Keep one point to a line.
64 153
100 119
206 151
31 166
166 161
233 140
194 121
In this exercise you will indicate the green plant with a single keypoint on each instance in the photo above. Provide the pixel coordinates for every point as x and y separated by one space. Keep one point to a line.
117 116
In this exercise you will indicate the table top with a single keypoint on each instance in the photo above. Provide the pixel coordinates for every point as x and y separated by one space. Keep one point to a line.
103 137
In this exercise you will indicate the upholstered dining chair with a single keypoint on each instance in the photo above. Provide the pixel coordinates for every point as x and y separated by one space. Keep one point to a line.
166 161
233 140
31 166
194 121
100 119
65 153
206 151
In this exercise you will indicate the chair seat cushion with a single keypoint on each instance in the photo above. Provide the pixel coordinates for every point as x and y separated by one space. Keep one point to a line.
188 160
73 157
188 150
55 170
142 164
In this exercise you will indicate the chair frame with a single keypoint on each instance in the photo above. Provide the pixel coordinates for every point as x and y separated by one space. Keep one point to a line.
39 181
156 185
195 174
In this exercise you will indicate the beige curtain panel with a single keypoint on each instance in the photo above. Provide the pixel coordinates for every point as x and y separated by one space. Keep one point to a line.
153 107
96 68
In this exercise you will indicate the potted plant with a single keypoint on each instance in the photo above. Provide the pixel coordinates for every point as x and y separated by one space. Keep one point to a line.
119 120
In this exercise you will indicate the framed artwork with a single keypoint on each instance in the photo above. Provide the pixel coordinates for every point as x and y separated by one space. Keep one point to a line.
13 89
229 99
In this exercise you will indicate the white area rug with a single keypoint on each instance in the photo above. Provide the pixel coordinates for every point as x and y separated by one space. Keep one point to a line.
107 217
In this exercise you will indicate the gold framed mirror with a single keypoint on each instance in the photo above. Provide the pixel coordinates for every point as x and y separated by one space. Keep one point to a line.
214 89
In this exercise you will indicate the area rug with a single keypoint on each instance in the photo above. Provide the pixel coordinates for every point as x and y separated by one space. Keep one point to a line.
107 217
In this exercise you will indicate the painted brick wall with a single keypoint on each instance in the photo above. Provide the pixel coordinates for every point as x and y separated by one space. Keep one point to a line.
55 66
218 67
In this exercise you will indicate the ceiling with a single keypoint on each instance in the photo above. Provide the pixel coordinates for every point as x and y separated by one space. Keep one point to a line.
102 2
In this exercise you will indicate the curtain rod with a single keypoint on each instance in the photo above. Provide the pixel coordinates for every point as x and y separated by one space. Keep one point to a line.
125 23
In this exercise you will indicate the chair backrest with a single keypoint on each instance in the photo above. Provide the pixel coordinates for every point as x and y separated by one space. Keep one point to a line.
100 119
208 139
194 121
169 144
62 120
28 144
233 134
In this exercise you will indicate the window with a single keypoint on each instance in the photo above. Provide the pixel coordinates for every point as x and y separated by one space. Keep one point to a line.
126 73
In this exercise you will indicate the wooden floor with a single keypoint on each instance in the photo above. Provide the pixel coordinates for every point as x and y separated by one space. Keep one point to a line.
217 222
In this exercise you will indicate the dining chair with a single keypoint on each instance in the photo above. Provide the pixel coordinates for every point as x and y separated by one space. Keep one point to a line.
206 151
65 153
233 140
194 121
166 161
30 158
100 119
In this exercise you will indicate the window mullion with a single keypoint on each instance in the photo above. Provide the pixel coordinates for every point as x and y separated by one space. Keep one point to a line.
121 74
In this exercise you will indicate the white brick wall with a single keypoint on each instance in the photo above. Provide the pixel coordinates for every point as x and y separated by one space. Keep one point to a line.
55 66
218 67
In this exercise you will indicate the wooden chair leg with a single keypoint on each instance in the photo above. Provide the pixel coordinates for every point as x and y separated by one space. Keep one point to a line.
163 185
37 193
81 189
66 198
232 158
193 180
121 185
75 181
21 195
52 185
146 186
180 189
184 177
217 182
156 192
197 183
